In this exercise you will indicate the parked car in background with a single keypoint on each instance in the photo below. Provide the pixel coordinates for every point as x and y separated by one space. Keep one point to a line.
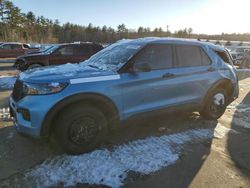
79 102
42 50
14 49
239 51
57 55
243 62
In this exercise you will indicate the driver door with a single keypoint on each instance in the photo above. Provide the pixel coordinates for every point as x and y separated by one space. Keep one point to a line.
150 86
62 55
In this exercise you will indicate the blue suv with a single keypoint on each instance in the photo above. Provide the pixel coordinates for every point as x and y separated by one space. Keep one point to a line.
79 103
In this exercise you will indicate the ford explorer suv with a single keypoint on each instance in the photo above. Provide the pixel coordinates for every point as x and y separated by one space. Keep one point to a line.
14 49
80 103
58 54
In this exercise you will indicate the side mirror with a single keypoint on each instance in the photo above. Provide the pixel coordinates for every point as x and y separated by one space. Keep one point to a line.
144 67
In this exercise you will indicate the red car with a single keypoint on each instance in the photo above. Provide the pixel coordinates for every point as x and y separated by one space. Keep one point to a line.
14 49
58 54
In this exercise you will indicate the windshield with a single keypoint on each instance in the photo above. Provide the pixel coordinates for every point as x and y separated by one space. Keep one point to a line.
114 56
51 49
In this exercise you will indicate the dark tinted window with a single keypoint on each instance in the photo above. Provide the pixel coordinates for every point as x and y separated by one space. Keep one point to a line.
97 48
188 56
157 56
67 50
84 50
6 47
205 58
16 46
224 56
26 46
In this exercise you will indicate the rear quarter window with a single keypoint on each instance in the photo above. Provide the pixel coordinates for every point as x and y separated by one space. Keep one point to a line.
224 56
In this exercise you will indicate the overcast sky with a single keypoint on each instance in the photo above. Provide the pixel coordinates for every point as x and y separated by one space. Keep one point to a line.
204 16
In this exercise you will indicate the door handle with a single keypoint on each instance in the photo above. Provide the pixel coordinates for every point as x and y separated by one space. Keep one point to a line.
168 75
211 69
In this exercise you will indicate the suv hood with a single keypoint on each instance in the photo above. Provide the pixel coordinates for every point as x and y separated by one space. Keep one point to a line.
62 73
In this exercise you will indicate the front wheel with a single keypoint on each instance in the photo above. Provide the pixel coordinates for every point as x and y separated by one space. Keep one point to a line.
80 128
215 105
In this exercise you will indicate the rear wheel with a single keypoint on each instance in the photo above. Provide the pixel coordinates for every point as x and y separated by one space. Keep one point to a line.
80 128
215 105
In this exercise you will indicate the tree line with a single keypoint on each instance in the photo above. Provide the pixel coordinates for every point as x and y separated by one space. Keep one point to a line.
27 27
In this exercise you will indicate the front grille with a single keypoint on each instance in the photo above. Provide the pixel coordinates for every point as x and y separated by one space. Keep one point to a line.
17 93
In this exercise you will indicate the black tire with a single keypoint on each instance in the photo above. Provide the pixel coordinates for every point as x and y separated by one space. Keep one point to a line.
34 66
213 108
80 128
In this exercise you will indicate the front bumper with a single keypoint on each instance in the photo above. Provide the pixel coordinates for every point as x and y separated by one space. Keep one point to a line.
38 107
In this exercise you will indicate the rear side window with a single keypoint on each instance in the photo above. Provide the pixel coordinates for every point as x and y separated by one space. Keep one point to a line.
157 56
190 56
84 50
205 59
66 50
26 46
16 46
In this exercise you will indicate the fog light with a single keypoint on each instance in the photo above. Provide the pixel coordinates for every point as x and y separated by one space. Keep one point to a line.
25 113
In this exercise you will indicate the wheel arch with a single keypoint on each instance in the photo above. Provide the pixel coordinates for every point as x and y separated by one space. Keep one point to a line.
36 63
107 106
225 84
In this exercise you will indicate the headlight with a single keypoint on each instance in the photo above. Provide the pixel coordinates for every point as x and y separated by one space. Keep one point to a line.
42 89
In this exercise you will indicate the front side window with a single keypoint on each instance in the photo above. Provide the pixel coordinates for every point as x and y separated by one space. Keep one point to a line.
156 57
67 50
188 56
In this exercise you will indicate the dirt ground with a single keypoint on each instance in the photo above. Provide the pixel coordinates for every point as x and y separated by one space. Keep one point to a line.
221 161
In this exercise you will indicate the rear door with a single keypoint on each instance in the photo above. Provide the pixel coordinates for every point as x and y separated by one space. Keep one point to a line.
17 50
62 55
194 73
82 52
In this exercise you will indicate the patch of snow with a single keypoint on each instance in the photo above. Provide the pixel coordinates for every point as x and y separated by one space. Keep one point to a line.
66 70
241 123
220 131
238 121
244 85
246 109
239 107
110 168
5 114
7 82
